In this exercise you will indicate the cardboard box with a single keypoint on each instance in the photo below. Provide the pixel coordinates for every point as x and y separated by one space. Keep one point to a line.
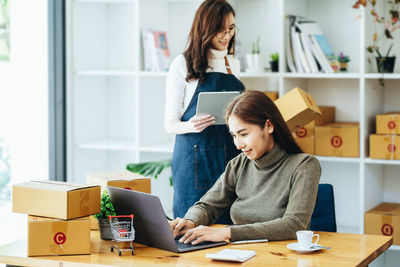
122 179
305 136
388 123
384 146
337 139
384 219
272 95
48 236
297 108
56 199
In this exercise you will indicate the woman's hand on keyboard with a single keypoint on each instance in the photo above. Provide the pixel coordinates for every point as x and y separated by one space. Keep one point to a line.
179 226
205 233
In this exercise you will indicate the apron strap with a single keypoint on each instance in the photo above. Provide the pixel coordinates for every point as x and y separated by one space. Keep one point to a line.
228 68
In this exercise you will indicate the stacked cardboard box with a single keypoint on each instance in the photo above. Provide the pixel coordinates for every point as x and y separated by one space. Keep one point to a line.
340 139
305 136
273 95
384 219
385 144
58 222
121 179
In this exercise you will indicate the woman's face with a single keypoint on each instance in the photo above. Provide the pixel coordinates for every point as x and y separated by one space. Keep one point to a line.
252 140
221 39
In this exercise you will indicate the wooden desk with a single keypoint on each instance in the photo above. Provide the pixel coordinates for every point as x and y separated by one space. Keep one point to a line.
346 250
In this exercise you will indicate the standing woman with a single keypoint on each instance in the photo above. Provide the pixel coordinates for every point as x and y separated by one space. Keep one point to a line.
202 149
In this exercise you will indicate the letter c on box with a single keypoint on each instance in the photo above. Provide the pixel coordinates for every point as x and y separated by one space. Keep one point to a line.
60 238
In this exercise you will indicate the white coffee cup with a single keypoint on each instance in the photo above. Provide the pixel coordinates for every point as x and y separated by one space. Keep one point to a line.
304 239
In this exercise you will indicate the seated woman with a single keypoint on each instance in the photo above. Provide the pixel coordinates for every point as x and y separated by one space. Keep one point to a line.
271 187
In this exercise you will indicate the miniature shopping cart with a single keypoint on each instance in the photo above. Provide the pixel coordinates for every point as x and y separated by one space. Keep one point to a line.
122 231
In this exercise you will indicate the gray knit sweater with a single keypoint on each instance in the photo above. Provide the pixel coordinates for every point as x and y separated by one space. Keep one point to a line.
272 197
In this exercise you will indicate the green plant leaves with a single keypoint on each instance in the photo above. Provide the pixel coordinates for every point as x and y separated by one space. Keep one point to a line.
150 169
106 207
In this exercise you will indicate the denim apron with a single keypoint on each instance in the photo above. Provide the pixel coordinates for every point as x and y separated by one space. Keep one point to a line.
200 158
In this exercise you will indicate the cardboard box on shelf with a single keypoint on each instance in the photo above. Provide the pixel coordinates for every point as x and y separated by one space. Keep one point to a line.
48 236
122 179
305 136
55 199
388 123
384 219
384 146
272 95
337 139
297 108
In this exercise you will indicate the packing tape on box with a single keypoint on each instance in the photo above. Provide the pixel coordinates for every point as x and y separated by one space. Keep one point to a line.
84 197
60 237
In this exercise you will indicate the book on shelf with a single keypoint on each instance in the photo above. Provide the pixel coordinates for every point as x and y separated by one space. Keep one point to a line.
312 48
155 50
289 48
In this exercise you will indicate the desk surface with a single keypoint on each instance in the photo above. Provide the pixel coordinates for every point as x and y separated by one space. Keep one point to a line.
346 250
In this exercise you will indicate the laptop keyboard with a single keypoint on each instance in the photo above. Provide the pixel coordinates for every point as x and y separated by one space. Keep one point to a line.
181 245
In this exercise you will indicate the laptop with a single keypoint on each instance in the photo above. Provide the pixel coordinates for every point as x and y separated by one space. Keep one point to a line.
215 103
150 223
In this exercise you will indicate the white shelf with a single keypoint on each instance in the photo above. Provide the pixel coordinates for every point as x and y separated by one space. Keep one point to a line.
153 73
105 72
339 75
382 161
166 147
337 159
386 76
110 144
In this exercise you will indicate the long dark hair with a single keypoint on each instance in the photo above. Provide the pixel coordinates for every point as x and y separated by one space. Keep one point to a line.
255 107
208 21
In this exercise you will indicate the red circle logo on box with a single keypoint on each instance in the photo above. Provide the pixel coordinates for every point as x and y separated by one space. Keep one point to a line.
128 188
60 238
387 229
302 132
391 148
336 141
391 125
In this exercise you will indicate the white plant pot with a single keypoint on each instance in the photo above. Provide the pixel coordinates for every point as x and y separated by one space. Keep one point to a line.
255 62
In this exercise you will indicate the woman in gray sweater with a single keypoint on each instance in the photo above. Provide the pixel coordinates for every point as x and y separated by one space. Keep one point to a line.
271 187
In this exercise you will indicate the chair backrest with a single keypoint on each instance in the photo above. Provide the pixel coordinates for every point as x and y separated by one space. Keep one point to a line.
323 217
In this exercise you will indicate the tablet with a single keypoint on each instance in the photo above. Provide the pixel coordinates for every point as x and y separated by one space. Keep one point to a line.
215 103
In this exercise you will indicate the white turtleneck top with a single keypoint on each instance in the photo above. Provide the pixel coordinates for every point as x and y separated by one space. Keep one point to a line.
179 92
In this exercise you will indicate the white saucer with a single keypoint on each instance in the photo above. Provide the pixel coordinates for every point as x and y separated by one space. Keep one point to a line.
295 246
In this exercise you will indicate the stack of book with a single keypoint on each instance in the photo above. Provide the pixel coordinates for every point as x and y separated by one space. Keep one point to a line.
308 50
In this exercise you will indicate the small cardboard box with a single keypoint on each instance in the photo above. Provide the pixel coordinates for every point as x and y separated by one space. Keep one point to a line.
48 236
122 179
55 199
337 139
272 95
384 146
305 136
388 123
297 108
384 219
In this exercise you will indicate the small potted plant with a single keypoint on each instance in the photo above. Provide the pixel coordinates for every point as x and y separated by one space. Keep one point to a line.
274 62
255 60
106 209
390 23
343 61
